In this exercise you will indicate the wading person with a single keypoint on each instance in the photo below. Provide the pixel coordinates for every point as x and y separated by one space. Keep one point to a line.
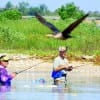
60 67
5 77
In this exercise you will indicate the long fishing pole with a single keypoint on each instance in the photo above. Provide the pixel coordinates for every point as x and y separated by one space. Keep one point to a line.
75 67
28 68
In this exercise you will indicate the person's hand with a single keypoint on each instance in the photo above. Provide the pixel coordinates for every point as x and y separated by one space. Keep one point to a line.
13 75
69 68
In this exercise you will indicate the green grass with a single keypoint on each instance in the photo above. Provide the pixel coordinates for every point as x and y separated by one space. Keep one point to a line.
28 36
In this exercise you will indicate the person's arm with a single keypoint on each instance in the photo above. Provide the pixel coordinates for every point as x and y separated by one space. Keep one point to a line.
60 67
5 76
13 75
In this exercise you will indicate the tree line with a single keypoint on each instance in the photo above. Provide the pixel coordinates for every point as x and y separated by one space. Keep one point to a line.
69 10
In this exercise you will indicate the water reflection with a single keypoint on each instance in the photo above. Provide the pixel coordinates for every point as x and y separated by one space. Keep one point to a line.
4 89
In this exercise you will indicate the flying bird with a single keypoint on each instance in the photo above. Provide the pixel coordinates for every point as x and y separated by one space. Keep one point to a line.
65 34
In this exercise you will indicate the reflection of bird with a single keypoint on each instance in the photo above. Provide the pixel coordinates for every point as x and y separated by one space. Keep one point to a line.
65 34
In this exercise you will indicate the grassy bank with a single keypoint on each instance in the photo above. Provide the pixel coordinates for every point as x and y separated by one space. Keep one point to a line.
28 36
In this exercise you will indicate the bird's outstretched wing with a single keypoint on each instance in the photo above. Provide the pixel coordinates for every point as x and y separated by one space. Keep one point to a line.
48 24
40 18
67 31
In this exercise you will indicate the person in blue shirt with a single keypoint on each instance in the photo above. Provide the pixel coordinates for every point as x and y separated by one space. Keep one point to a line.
60 67
5 76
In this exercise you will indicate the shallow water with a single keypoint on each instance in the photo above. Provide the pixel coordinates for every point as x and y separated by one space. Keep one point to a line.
49 96
78 88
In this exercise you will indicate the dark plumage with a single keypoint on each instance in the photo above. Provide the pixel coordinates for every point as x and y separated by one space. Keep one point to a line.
65 34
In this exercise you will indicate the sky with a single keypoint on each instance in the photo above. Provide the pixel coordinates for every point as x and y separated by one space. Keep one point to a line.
85 5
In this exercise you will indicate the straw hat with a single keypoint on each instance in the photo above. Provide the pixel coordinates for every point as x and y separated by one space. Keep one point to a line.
62 48
4 58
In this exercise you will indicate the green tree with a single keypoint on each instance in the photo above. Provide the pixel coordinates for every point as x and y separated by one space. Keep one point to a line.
70 11
23 7
9 5
43 8
32 10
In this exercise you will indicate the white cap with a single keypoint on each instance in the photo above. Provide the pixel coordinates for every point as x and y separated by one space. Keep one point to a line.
62 48
4 58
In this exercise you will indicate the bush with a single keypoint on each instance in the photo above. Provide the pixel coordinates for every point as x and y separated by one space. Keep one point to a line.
2 17
8 35
12 14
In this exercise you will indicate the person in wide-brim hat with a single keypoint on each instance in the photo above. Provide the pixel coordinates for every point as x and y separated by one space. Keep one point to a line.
5 77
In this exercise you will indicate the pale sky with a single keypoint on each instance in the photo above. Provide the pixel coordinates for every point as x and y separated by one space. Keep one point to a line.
85 5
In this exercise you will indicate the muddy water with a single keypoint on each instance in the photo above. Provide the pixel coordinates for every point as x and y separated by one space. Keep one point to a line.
37 90
31 88
36 84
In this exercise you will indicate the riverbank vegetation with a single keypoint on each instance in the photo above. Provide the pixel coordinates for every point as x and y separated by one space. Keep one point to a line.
28 36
